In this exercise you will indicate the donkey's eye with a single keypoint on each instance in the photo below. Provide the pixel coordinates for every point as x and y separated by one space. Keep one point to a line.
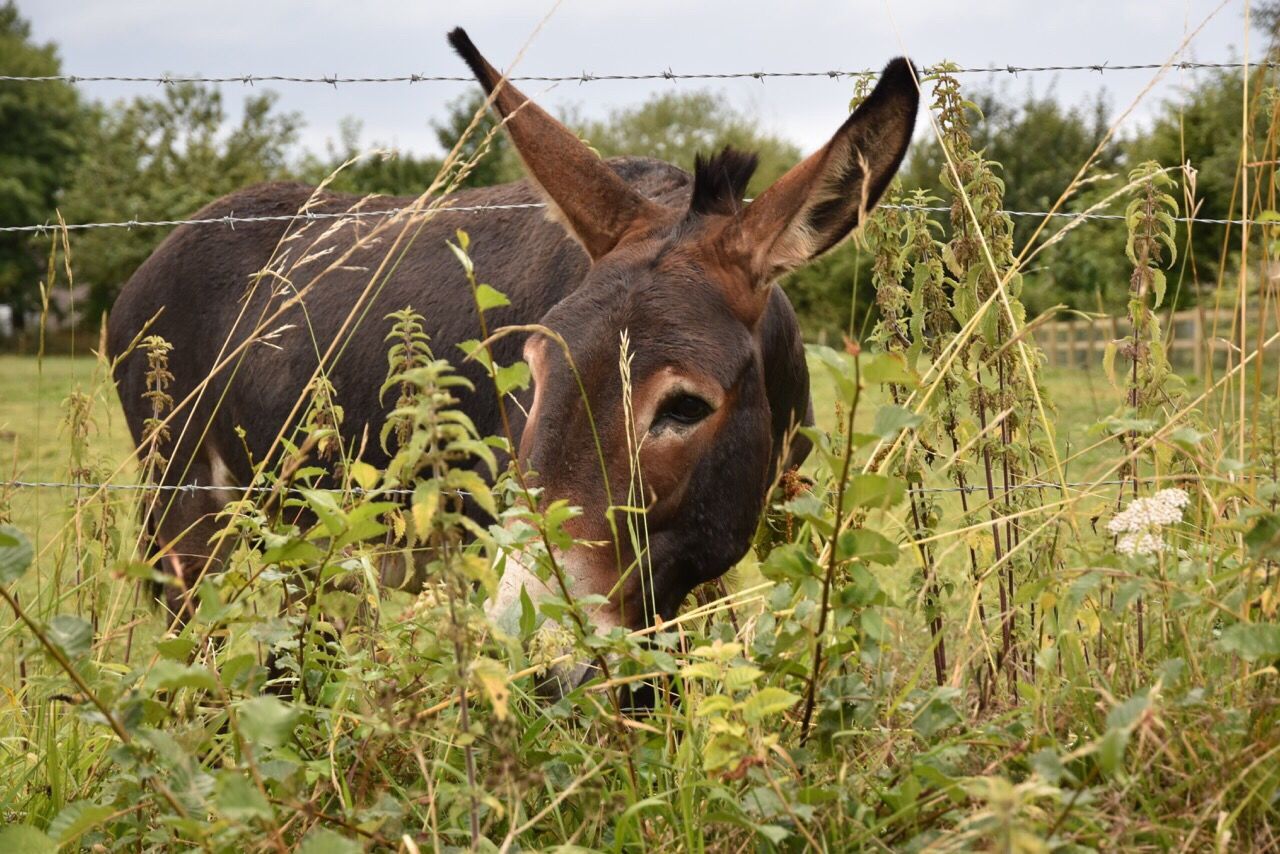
682 409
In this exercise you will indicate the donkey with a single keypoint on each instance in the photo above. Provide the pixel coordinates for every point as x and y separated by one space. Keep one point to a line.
679 262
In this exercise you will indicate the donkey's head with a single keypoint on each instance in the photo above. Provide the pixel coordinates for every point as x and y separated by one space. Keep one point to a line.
717 378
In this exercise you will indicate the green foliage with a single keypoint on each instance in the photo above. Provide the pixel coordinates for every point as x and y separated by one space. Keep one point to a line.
164 158
41 137
937 646
351 166
676 126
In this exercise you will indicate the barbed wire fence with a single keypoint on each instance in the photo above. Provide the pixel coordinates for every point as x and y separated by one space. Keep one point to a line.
232 220
587 77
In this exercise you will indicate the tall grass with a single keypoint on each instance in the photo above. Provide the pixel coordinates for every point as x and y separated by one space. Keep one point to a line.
940 642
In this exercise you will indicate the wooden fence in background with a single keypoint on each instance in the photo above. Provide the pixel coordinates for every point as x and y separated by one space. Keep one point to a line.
1192 336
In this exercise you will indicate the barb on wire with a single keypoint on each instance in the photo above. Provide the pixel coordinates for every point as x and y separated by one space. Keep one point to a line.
231 220
587 77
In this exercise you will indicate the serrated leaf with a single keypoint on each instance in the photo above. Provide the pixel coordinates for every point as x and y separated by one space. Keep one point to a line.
238 798
75 819
766 702
700 670
1253 641
176 649
26 839
321 840
867 545
741 676
488 297
168 675
16 554
70 634
874 490
365 475
716 704
492 677
888 368
723 750
511 377
1158 285
892 419
266 721
292 553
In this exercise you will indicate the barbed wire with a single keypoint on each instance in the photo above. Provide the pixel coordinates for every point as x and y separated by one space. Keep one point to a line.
587 77
198 487
192 487
231 220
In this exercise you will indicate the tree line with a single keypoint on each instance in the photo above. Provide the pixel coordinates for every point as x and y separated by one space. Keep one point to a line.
164 155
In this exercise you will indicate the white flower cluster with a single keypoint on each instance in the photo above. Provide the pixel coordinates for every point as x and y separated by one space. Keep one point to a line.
1138 525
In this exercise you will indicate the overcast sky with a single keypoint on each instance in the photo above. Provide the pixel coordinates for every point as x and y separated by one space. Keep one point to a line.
393 37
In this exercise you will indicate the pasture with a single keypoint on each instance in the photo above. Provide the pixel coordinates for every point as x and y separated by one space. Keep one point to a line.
1001 606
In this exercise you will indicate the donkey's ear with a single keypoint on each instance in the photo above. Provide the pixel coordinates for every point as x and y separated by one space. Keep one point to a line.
595 205
819 202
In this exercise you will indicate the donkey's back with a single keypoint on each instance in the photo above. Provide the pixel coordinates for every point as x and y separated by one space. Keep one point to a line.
249 308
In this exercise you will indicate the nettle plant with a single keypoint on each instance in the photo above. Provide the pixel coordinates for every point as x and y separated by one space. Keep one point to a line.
934 644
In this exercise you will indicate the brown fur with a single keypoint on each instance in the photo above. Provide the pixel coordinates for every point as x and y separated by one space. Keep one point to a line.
673 260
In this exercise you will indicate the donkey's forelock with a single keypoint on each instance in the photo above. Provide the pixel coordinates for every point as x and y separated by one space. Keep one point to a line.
720 181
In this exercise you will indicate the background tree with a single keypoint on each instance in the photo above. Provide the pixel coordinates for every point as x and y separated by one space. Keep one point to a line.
400 173
391 172
675 126
1039 145
40 126
165 158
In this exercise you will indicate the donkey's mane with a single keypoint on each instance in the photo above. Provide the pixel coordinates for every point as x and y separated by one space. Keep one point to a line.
720 181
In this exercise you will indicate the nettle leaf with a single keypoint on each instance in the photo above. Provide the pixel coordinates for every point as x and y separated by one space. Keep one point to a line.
874 490
75 820
1263 538
838 365
266 721
1188 438
322 840
365 475
1158 285
70 634
238 798
867 545
511 377
892 419
889 368
16 554
488 297
1253 641
293 552
741 676
474 350
766 702
938 713
170 676
26 839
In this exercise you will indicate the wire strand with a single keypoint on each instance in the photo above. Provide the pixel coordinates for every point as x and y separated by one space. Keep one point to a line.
587 77
231 220
198 487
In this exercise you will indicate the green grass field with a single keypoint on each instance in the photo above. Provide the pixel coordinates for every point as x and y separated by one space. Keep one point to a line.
1136 710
